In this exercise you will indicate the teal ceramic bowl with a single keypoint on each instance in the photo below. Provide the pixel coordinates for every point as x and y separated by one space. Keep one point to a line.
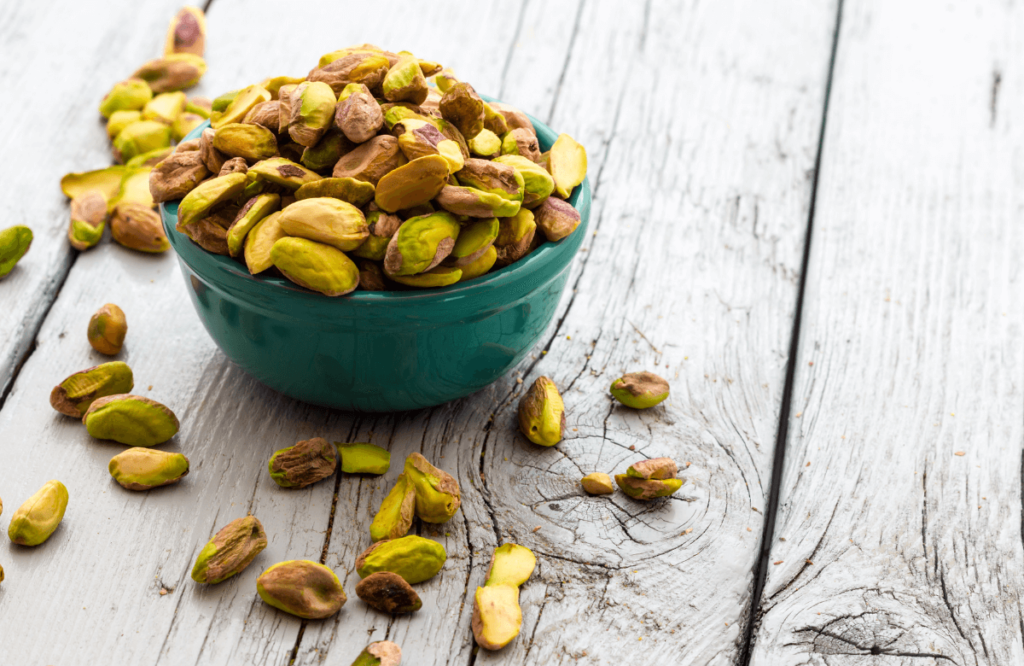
379 351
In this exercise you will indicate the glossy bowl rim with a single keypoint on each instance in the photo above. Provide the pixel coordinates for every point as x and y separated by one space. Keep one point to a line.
547 253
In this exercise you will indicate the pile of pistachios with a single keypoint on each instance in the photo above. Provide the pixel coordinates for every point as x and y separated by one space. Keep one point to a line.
146 115
377 156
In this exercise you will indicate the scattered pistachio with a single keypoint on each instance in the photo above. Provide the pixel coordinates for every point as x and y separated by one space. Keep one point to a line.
77 392
107 328
389 593
39 516
412 557
640 390
542 413
305 589
130 419
597 483
497 617
305 463
140 468
230 551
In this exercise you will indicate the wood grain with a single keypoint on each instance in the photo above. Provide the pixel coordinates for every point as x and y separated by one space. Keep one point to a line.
57 60
701 126
901 498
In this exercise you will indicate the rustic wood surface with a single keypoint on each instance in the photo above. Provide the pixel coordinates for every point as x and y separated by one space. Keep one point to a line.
703 125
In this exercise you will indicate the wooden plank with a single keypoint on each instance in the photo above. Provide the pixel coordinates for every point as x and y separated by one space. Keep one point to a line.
45 48
902 482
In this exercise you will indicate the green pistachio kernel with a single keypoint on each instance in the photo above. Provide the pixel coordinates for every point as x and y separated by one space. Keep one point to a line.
640 390
208 194
315 266
421 243
305 589
254 210
412 557
130 95
40 515
437 492
511 564
78 391
359 458
140 468
542 413
130 419
394 518
230 551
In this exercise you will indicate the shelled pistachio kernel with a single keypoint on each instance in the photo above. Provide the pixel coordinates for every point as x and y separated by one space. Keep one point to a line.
303 464
511 564
647 489
88 219
362 458
412 557
315 266
653 468
437 492
640 390
78 391
542 413
38 518
130 419
305 589
140 468
230 551
107 328
597 483
138 227
421 243
394 518
497 617
389 593
326 220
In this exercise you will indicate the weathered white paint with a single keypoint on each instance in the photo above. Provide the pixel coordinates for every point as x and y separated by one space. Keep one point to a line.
910 355
701 125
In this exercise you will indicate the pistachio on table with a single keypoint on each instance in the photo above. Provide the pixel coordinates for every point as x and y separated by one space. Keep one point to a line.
361 458
389 593
597 483
130 419
542 413
640 390
411 149
650 479
303 464
187 32
77 392
394 518
511 564
40 515
107 328
305 589
88 219
497 617
140 468
138 227
412 557
437 492
230 551
382 653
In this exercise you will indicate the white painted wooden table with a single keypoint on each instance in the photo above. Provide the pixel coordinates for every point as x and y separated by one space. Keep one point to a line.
808 217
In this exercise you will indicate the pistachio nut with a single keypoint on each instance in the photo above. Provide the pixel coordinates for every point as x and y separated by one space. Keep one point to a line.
514 118
485 144
39 516
371 276
209 233
412 557
106 181
284 107
305 589
647 489
88 218
537 182
396 113
462 107
437 492
238 105
472 202
187 32
356 192
140 137
405 82
394 518
358 115
230 551
274 83
130 419
223 101
184 124
439 276
542 413
121 119
254 210
497 617
654 468
311 111
640 390
382 226
165 107
134 187
14 243
493 178
389 593
420 244
371 161
568 163
315 266
521 142
304 464
130 95
140 468
327 151
361 458
212 158
260 240
363 67
176 176
475 238
597 483
382 653
515 237
419 138
266 114
284 172
138 227
494 122
557 219
480 265
326 220
201 106
452 132
234 165
511 564
172 72
412 184
78 391
208 194
370 49
107 328
253 142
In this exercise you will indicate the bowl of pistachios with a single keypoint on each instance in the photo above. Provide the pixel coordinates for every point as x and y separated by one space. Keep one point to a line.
375 236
